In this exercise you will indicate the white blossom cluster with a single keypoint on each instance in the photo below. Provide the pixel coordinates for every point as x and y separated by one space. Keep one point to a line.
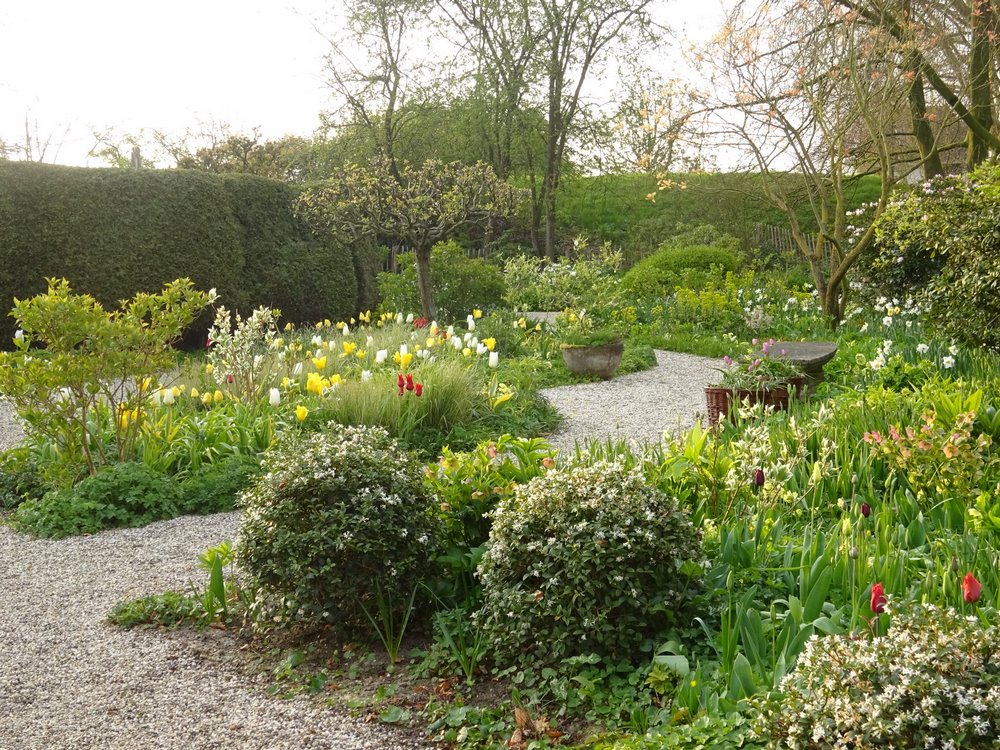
933 681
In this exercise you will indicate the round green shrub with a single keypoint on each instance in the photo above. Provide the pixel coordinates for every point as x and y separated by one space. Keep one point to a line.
582 560
339 519
691 266
126 494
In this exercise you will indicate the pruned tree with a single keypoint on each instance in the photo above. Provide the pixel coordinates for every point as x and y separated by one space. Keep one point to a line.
415 205
814 93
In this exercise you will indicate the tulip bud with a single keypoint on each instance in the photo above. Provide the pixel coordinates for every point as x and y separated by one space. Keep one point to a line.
274 397
758 478
854 553
866 510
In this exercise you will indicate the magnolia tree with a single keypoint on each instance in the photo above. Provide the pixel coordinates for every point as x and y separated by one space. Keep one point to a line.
813 94
419 206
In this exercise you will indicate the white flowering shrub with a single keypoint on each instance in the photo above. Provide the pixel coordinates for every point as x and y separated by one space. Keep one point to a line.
581 560
339 519
933 681
239 350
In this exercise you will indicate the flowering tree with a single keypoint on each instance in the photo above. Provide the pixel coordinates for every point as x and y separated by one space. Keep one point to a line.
814 93
422 206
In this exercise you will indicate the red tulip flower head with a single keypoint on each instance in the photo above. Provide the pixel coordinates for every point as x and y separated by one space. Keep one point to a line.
971 589
418 388
409 382
878 599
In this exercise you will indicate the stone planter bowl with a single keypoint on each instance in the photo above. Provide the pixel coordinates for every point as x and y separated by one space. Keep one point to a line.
601 360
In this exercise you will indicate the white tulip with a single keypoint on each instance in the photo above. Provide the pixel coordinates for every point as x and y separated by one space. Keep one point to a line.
366 375
456 342
402 349
399 317
481 349
274 397
297 370
409 318
381 355
369 341
494 359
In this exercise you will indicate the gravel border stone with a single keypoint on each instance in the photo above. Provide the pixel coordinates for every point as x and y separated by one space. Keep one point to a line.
639 407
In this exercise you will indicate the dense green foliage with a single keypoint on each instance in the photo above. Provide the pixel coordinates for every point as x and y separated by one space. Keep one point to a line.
460 283
614 207
656 275
129 494
944 241
587 559
114 232
339 520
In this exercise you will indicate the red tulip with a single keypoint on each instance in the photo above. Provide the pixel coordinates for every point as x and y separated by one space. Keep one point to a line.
409 382
878 599
419 387
229 379
971 589
399 380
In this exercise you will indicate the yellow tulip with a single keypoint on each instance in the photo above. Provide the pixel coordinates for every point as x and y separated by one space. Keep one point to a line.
194 393
405 359
360 354
144 384
176 391
301 413
349 347
335 378
430 343
477 313
490 343
467 352
288 326
206 399
315 383
319 363
217 396
209 369
286 381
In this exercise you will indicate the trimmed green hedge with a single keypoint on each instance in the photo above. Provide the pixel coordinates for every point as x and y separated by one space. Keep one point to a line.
114 232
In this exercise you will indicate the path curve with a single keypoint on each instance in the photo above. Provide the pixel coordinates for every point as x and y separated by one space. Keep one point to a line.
638 407
70 681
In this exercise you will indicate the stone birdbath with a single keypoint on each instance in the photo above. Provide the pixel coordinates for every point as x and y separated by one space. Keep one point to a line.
809 357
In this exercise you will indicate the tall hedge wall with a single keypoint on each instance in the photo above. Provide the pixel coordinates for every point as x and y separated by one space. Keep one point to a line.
113 232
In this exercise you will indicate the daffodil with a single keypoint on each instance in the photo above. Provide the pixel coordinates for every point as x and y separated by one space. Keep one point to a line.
301 412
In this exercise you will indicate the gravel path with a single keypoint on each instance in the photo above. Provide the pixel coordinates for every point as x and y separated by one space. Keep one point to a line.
639 407
68 681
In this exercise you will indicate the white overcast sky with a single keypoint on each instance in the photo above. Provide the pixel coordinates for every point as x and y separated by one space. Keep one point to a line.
78 65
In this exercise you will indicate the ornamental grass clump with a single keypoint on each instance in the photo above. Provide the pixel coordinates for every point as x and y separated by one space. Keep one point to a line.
339 522
932 682
584 560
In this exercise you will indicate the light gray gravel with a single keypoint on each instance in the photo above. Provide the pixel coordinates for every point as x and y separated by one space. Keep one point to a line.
638 407
68 681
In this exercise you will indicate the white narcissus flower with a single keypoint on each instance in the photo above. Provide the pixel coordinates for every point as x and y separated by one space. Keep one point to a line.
922 348
953 350
381 355
366 375
494 359
948 362
887 320
274 397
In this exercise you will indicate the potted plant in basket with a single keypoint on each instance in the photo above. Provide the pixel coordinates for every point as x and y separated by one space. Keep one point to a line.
759 375
591 342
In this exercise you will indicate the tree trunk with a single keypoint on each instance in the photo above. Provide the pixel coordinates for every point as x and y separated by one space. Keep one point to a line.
980 94
428 308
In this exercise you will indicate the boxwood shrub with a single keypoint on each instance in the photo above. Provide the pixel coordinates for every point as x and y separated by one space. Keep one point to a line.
339 519
584 560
